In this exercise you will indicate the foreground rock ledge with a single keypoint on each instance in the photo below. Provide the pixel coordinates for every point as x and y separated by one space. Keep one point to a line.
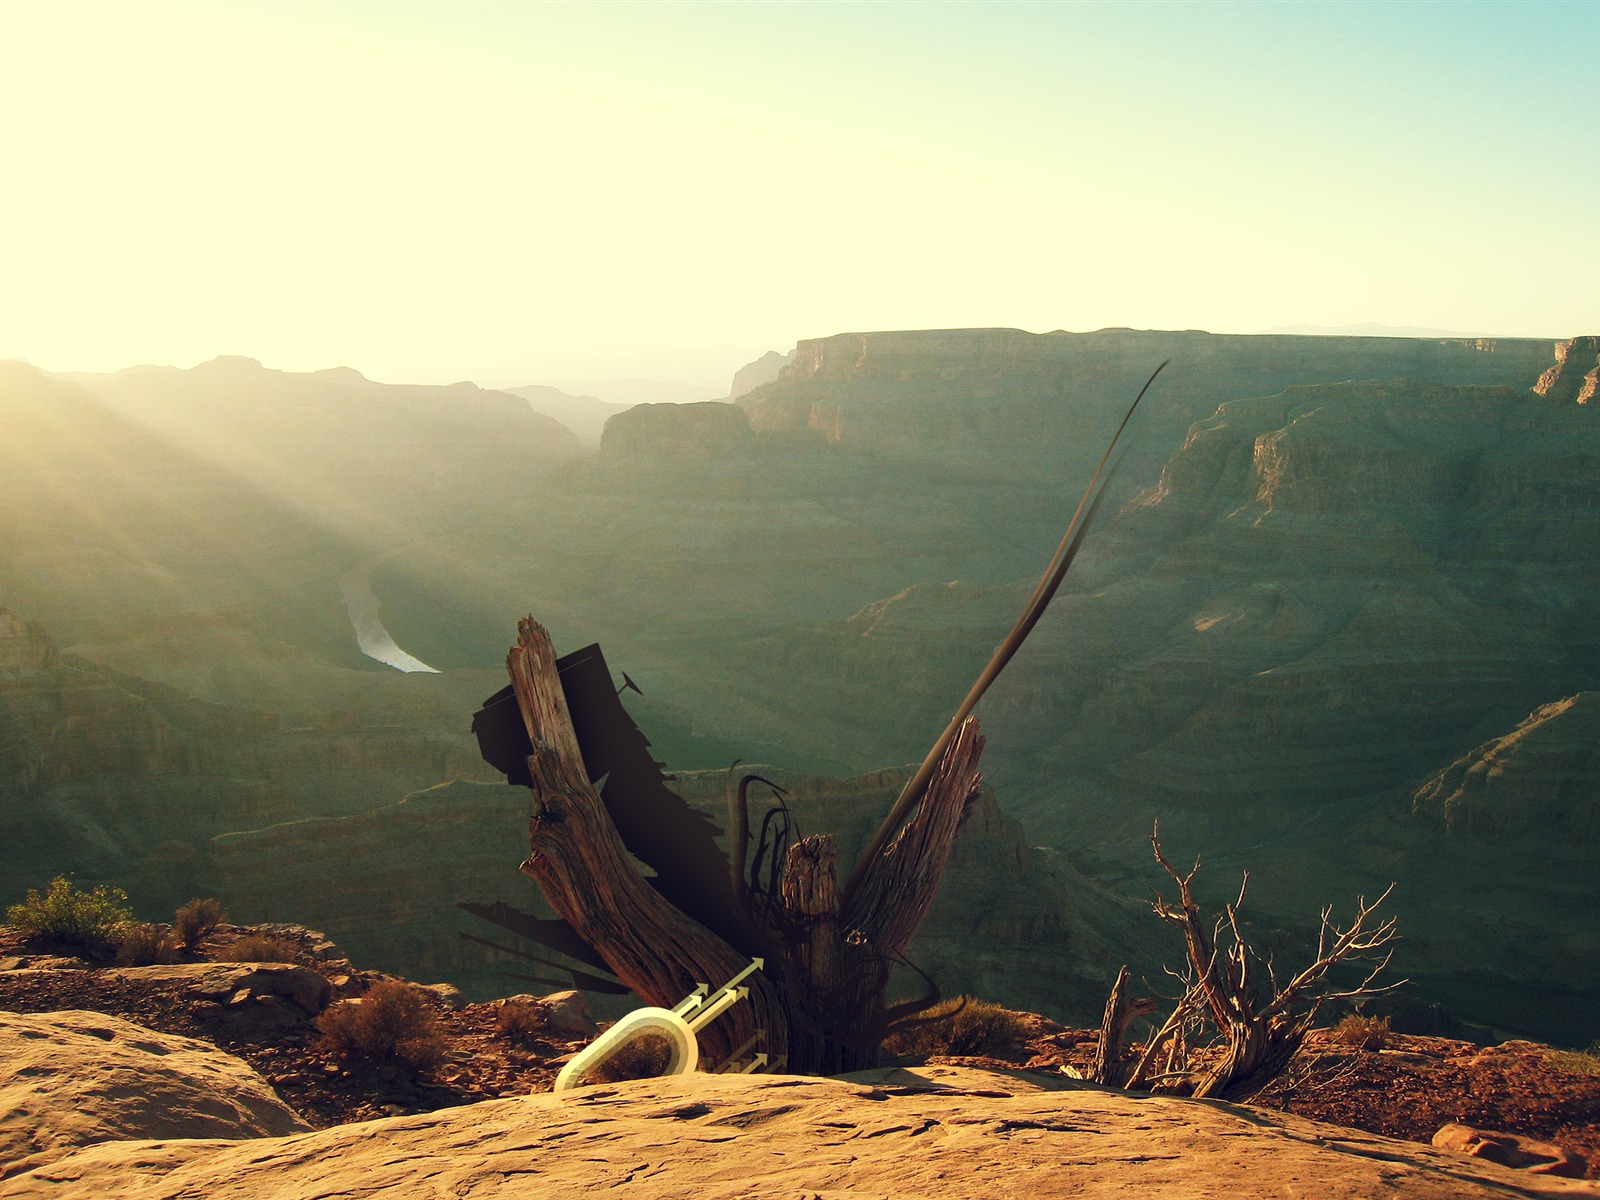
933 1132
71 1079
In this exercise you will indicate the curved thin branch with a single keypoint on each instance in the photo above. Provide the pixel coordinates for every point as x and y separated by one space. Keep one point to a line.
1043 593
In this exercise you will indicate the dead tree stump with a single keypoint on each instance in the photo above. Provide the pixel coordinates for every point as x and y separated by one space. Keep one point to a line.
821 1010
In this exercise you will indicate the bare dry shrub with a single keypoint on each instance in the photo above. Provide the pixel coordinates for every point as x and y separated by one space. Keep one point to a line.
1257 1018
519 1022
260 948
392 1023
145 945
195 919
1364 1033
963 1026
644 1057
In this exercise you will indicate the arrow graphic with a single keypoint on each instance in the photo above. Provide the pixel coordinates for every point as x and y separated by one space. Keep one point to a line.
755 965
759 1060
693 1000
760 1035
714 1009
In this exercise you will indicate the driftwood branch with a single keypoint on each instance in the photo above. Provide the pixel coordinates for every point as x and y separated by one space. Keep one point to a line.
1049 583
898 885
580 862
1112 1064
819 1002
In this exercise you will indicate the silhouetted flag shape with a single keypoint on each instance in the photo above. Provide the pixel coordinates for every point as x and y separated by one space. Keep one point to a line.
655 824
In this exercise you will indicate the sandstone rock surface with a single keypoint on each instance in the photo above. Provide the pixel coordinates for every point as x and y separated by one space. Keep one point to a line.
69 1079
939 1132
1509 1149
1576 373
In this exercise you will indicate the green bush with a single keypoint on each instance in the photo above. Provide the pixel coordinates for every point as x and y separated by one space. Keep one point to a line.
964 1026
196 919
392 1023
66 915
260 948
146 945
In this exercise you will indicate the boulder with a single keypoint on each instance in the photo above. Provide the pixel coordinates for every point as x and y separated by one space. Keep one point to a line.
568 1012
68 1079
1510 1150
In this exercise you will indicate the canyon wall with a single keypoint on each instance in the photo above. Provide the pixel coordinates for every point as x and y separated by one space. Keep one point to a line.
1330 575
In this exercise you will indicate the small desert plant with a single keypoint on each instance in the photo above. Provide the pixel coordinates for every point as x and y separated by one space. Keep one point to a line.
392 1023
1581 1062
519 1022
258 947
195 919
963 1026
1364 1033
144 945
89 920
644 1057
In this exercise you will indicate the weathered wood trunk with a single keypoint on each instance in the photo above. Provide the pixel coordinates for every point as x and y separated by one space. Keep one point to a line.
1113 1064
815 1009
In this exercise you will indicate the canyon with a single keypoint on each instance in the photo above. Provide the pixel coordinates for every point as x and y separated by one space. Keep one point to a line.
1332 625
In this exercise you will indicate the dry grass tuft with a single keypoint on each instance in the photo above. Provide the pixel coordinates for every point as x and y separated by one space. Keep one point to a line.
146 945
1579 1062
261 948
964 1026
392 1023
519 1022
1364 1033
645 1057
195 919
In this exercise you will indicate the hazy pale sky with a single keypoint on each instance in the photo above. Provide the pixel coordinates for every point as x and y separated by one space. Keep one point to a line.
513 193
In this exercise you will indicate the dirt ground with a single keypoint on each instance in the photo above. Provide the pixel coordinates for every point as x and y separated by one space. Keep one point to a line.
1408 1088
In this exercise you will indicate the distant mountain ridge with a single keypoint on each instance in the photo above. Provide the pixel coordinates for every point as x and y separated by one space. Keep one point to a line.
586 416
1372 329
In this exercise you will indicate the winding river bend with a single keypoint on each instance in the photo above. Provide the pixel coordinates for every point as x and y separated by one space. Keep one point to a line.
363 606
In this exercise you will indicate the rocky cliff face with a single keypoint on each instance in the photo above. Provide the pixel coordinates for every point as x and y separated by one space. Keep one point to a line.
764 370
113 776
451 844
1572 380
1543 777
1327 596
25 647
969 391
710 429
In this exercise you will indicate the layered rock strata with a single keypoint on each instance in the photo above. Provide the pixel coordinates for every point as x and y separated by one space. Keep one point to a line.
1572 380
1542 777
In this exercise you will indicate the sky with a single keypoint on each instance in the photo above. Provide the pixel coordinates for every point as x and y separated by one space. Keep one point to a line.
531 193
